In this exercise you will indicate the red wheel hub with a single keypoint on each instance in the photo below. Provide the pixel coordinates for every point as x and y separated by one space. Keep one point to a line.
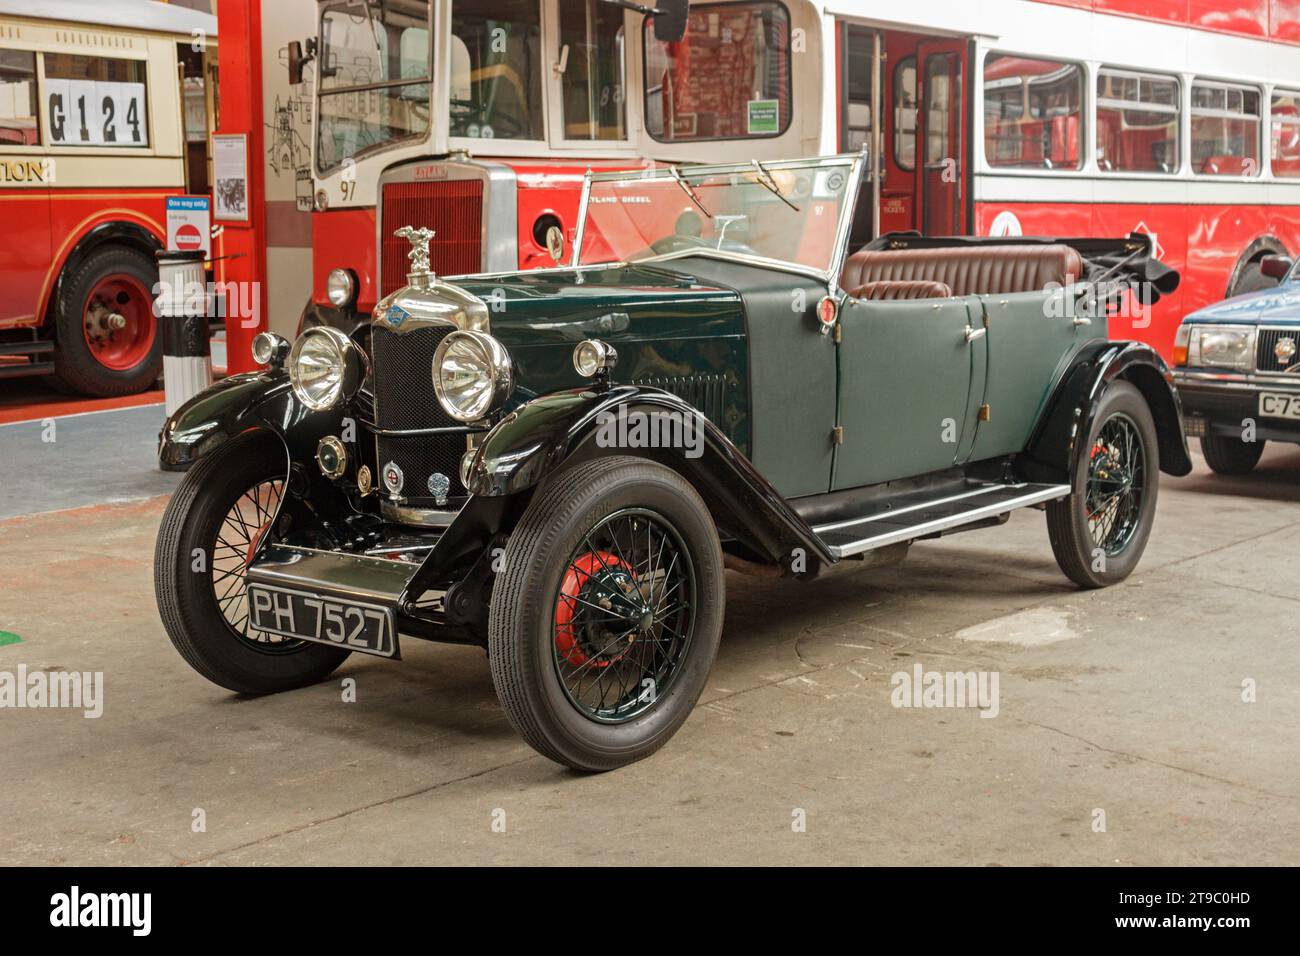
582 587
118 322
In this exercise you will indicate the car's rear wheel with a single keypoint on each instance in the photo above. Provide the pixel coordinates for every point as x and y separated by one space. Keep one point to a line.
223 509
606 616
1099 532
1231 456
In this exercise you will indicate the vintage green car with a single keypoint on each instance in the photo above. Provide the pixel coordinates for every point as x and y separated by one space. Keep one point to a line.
558 465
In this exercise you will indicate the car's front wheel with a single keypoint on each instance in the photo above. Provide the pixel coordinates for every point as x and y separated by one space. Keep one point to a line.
212 526
1231 456
606 616
1099 532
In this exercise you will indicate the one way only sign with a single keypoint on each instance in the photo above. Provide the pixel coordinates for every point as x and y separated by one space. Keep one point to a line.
189 224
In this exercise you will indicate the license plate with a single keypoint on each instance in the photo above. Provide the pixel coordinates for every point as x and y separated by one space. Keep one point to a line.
1279 404
352 625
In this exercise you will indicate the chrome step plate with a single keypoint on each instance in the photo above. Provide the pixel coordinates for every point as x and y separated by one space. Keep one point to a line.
852 536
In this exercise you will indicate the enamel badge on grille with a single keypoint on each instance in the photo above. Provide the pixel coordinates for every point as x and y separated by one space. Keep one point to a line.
393 478
439 485
1285 350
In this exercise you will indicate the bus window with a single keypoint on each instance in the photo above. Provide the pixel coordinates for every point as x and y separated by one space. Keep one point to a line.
1137 122
496 69
18 125
95 101
1225 130
728 78
905 113
1285 139
859 54
1032 113
374 77
592 50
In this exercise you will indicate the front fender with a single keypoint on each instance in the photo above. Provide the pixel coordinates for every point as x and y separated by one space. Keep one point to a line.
252 401
1072 409
563 427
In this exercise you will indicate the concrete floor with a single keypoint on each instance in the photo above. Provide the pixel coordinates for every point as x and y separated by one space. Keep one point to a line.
1127 701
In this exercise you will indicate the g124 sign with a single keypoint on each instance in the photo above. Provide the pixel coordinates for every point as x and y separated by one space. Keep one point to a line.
96 113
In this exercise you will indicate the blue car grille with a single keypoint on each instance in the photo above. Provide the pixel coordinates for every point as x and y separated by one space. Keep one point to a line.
1265 355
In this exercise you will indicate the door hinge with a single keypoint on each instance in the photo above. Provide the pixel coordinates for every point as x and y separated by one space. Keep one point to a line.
839 333
985 413
837 435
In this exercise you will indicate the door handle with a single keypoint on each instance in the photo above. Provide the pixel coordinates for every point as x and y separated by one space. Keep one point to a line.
1079 320
973 334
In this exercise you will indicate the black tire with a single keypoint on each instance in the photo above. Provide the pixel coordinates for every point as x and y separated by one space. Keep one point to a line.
1251 279
75 364
187 599
1073 540
1231 456
522 623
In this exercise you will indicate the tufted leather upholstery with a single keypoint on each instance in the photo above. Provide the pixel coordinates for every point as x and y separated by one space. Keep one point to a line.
898 289
967 270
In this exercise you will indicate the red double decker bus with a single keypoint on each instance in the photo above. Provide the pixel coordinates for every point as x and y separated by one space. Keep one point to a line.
1175 118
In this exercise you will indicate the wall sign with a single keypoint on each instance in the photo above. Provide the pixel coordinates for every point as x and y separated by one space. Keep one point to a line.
189 224
230 172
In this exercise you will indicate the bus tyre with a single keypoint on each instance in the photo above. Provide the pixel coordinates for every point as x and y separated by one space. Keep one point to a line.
1231 456
107 339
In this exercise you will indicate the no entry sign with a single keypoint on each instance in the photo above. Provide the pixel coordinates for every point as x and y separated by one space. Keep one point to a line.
189 225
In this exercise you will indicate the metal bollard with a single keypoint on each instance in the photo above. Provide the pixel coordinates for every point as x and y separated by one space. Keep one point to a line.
182 308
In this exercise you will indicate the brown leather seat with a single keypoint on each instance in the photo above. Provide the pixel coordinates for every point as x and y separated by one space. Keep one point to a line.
967 270
897 289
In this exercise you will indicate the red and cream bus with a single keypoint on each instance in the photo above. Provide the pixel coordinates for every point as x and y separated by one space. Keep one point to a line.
105 110
1176 118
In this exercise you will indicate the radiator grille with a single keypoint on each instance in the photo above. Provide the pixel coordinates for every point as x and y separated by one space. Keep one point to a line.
404 399
452 208
1266 358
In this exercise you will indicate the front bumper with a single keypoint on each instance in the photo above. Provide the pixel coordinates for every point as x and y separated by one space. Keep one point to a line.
1219 402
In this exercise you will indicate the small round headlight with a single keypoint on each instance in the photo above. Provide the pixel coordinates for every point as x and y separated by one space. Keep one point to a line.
325 367
472 375
340 287
593 356
269 349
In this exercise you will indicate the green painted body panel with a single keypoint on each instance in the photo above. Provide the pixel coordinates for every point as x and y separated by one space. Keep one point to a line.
1030 345
905 388
671 331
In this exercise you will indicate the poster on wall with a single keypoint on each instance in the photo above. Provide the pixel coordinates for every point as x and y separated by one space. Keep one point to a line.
230 173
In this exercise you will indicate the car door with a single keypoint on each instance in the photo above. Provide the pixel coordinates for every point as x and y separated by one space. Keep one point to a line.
906 402
1032 336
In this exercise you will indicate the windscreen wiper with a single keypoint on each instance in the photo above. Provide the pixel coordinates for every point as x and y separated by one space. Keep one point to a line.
686 188
765 179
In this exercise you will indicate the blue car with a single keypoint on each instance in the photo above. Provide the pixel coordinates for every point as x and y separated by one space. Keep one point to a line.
1238 371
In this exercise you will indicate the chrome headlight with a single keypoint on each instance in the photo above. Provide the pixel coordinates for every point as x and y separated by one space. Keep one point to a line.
325 367
1222 347
340 287
472 375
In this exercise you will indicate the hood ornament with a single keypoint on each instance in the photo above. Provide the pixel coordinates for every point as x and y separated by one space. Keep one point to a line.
420 274
1285 350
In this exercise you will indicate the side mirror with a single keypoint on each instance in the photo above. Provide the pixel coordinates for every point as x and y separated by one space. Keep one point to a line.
298 59
555 244
1275 267
670 20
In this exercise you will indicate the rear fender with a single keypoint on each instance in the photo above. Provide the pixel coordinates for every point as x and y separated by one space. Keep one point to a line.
1053 450
574 425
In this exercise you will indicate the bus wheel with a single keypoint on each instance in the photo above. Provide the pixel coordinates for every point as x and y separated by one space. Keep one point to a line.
107 337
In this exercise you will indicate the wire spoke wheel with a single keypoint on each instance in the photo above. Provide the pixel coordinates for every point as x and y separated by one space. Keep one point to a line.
241 531
1117 476
624 615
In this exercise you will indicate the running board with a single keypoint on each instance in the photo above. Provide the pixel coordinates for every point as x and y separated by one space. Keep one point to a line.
895 525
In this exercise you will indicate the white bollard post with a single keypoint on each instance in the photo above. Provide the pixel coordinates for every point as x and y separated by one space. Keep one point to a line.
182 308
